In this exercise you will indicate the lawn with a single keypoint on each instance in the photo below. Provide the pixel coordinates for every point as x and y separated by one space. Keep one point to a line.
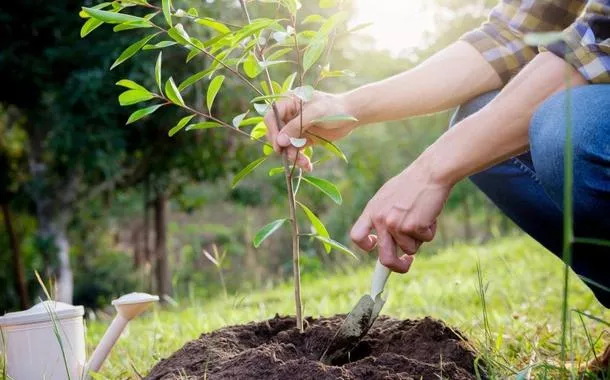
523 297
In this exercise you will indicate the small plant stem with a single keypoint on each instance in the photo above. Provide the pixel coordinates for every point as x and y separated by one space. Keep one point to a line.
296 265
222 281
568 228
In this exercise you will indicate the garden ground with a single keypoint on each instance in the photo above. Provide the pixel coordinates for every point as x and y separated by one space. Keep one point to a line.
523 301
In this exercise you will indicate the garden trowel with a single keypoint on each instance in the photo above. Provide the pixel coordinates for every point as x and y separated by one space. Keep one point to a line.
359 320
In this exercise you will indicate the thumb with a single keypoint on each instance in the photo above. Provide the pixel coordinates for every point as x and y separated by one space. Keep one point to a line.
293 130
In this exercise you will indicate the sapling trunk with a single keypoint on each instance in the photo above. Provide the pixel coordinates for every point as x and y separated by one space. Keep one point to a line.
288 174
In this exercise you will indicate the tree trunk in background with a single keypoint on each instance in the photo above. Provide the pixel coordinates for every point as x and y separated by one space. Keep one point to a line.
136 242
65 280
468 233
146 227
162 264
18 271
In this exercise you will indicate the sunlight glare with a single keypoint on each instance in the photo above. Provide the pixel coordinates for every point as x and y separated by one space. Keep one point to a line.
398 25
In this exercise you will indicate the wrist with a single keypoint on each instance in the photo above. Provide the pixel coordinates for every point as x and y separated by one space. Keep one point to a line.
351 102
438 166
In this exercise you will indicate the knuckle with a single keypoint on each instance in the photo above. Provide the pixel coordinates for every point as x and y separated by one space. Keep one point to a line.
379 219
386 261
393 222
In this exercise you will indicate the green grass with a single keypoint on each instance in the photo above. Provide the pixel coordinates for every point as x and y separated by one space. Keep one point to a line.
521 284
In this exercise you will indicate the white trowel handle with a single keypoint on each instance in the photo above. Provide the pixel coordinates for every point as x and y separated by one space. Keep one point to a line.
380 276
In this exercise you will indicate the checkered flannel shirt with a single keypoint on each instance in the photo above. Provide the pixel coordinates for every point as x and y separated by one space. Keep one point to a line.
585 45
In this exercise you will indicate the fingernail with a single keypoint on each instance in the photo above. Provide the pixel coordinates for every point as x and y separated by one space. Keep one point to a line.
283 140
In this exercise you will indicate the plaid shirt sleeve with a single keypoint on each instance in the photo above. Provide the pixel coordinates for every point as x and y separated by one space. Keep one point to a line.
500 38
586 43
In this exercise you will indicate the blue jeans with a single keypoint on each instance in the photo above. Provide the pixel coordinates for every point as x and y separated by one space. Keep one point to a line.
529 188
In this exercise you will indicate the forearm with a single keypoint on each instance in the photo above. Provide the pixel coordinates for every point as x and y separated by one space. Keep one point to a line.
500 130
447 79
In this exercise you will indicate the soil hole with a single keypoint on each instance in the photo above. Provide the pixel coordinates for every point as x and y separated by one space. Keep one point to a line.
274 349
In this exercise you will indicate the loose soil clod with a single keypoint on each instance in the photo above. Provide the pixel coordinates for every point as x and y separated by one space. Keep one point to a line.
274 349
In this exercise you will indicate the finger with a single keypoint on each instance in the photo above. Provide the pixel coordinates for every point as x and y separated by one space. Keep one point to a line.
295 128
286 110
406 243
421 233
387 252
302 161
360 233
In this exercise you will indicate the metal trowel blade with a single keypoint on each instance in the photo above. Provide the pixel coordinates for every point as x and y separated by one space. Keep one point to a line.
351 331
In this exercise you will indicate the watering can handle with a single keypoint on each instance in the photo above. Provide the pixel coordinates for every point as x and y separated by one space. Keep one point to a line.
380 276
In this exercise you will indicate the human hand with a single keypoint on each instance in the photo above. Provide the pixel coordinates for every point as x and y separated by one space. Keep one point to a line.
321 105
403 213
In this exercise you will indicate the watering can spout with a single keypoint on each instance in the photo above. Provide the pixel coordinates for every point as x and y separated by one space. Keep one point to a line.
128 307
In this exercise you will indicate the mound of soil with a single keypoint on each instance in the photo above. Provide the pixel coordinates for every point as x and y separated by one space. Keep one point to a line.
274 349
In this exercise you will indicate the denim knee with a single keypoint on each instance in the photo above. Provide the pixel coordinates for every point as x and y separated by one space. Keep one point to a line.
590 116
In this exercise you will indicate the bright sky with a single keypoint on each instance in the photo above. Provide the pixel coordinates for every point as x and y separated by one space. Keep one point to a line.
398 24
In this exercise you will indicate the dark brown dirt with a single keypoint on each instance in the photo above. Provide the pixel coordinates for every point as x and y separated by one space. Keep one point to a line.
274 349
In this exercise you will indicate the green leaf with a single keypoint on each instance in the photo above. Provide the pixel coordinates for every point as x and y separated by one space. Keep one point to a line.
332 148
159 45
83 14
247 170
158 71
337 73
173 93
328 3
134 96
326 187
317 225
111 17
333 118
167 9
237 120
261 108
251 121
267 149
213 89
204 125
313 53
132 25
266 231
193 79
251 66
268 97
184 121
132 49
276 171
143 112
259 130
360 27
336 245
287 85
213 24
279 53
89 26
313 19
130 85
178 34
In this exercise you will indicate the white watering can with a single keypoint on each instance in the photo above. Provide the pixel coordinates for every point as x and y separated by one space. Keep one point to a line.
32 347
